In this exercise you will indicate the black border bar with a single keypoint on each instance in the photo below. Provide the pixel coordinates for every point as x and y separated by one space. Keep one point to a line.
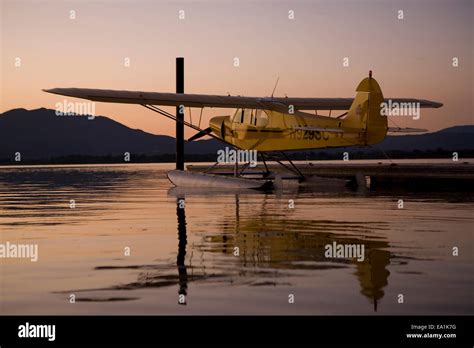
288 330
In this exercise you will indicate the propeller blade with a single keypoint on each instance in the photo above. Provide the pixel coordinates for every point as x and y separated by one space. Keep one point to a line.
223 130
200 134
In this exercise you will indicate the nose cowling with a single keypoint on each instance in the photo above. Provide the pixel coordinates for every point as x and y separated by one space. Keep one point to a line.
219 124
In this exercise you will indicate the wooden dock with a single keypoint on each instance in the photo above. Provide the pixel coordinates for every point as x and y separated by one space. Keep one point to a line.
383 174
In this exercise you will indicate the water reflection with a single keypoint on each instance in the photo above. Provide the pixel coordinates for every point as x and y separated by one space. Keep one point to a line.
277 248
372 274
270 245
266 242
36 196
180 260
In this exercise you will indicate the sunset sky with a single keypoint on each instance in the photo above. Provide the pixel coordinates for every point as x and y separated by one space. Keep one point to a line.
410 57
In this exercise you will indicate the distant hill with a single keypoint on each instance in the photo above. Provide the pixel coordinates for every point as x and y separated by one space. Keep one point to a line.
41 135
451 139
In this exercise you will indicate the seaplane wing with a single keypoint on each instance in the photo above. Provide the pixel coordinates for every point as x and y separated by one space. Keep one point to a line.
219 101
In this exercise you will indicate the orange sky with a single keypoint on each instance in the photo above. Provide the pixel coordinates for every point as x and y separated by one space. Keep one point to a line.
410 57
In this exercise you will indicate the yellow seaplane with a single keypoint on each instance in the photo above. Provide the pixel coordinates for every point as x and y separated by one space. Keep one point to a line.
276 124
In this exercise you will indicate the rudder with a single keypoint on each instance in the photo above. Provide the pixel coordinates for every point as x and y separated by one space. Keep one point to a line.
364 112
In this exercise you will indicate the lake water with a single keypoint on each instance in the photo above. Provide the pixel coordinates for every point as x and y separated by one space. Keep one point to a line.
226 253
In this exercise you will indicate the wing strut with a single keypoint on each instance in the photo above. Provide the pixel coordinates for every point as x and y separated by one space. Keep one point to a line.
173 117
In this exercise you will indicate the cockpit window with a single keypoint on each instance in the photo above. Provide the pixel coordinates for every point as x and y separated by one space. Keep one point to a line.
242 116
251 117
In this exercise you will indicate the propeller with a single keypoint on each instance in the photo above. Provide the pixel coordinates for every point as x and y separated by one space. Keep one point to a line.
223 130
201 133
226 130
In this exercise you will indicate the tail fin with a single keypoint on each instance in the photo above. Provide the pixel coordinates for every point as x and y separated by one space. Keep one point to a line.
365 111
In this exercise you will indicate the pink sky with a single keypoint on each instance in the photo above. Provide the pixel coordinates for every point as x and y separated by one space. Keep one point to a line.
410 57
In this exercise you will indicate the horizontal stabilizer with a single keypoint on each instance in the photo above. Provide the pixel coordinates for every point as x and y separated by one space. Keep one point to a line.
405 130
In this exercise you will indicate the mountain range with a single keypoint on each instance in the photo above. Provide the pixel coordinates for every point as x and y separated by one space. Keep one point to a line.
40 134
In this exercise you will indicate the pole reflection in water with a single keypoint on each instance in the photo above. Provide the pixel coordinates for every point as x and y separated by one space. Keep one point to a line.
180 261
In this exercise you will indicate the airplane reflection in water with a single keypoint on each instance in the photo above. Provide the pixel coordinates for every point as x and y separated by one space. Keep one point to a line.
269 242
271 245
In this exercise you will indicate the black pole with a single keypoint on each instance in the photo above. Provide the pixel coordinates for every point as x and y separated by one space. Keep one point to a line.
180 115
